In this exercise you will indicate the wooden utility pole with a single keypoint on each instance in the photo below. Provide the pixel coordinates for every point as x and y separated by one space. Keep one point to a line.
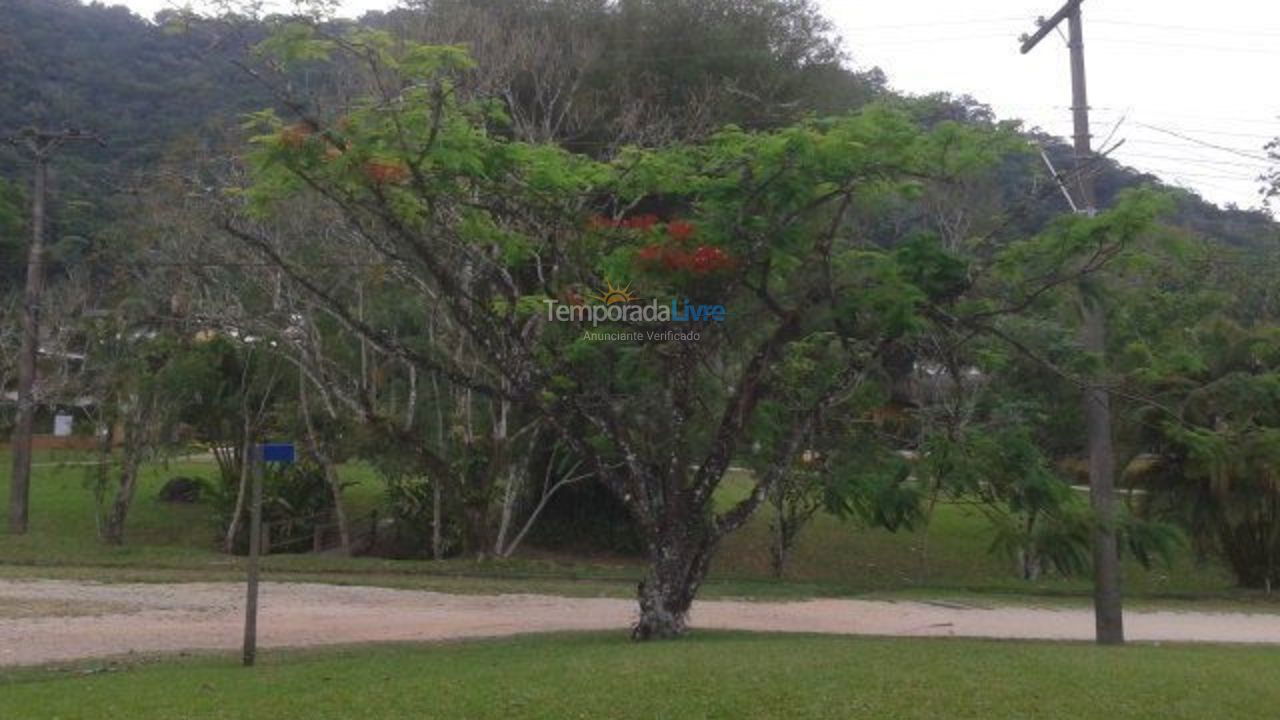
1107 601
258 540
250 654
41 144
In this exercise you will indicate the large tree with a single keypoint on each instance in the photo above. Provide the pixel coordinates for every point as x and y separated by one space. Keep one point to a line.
775 240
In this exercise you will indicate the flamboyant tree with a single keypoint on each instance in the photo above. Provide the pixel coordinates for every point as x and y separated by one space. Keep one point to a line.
650 308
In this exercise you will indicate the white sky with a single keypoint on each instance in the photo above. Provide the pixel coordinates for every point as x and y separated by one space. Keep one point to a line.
1168 68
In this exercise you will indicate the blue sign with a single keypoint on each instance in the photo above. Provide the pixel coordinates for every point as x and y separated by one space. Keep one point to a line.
278 452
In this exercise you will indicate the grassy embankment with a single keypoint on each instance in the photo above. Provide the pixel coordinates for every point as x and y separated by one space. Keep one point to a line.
947 559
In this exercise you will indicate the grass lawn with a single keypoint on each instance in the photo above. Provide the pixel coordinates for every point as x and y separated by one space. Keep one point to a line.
63 529
709 675
948 559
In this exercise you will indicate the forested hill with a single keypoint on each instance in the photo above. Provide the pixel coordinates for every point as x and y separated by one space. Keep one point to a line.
147 89
63 64
142 89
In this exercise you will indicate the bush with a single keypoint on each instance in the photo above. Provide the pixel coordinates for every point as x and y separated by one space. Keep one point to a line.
585 517
409 508
296 501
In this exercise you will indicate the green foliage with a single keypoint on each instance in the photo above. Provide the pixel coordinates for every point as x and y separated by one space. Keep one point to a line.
296 500
149 93
447 174
409 504
1039 522
882 493
1217 472
1072 247
12 208
12 219
1208 360
224 389
939 274
585 518
773 202
293 42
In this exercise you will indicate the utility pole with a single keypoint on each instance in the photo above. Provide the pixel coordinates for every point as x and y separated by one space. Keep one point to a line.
41 144
1107 601
250 648
262 454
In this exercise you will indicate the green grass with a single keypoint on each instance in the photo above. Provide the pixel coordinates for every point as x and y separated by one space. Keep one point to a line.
951 552
949 558
709 675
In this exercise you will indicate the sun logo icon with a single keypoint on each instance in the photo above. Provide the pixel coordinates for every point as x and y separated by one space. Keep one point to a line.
613 294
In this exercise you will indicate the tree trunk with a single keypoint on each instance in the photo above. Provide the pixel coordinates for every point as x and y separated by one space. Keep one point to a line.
1108 611
1028 564
437 540
779 553
327 466
779 546
778 556
233 526
339 505
509 496
113 527
102 472
20 444
475 525
676 571
547 493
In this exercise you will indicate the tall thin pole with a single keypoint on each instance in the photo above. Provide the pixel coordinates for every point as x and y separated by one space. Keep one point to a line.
20 479
1107 596
41 144
255 549
1080 111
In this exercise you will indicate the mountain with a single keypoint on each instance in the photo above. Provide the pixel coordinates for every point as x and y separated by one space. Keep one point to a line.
149 90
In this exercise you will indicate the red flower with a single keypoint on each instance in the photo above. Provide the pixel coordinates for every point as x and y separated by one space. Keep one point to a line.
680 230
649 254
702 260
640 222
384 173
710 259
295 136
677 259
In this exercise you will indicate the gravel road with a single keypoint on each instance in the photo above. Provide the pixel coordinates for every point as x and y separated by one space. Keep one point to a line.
56 620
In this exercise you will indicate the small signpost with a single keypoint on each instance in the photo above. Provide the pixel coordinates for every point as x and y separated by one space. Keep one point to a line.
282 453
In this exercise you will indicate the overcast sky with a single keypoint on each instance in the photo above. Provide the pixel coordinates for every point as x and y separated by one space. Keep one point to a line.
1189 86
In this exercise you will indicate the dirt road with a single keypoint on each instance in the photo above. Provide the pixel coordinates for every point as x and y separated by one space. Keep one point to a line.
54 620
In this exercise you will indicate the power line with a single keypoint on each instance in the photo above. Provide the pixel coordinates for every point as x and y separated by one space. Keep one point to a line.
1205 143
927 40
1210 131
1127 43
1188 28
1162 172
1200 161
1200 184
1180 144
1273 120
940 23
